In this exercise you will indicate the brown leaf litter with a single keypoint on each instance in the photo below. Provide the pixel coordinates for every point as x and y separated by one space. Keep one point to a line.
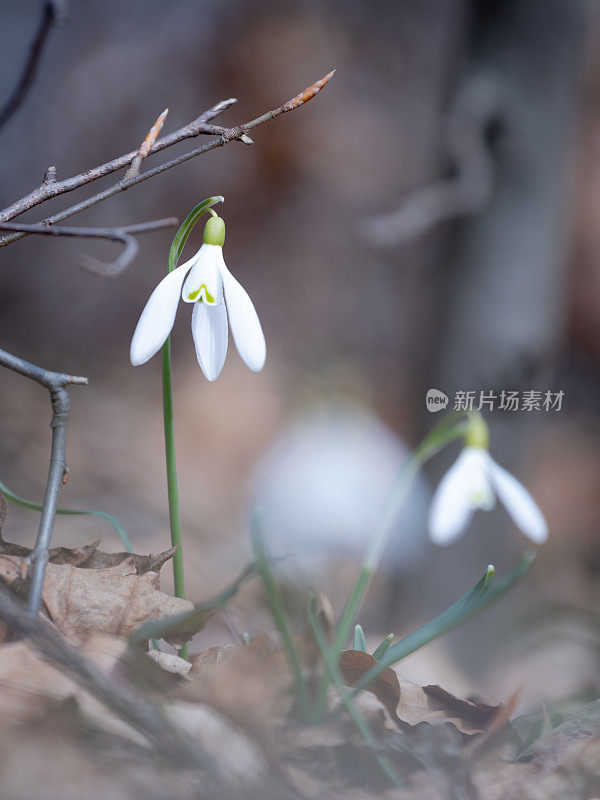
88 592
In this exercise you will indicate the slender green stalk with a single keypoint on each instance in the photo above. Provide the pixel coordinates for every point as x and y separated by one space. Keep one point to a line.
24 503
277 607
172 488
336 678
167 388
446 431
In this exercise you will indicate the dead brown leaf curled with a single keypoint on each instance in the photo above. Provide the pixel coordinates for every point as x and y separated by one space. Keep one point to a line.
90 557
356 663
88 592
113 601
408 702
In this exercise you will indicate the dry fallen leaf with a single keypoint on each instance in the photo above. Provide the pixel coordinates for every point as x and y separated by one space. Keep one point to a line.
356 663
29 683
250 684
113 601
239 760
411 703
89 557
204 663
85 601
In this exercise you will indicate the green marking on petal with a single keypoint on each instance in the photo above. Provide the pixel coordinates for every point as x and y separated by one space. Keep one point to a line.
206 295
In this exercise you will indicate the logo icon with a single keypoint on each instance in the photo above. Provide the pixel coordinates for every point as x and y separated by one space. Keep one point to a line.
435 400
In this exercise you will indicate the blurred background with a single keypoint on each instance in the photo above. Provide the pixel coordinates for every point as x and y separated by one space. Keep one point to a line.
431 220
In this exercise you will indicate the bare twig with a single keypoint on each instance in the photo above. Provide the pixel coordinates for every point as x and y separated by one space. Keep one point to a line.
49 176
30 68
478 105
225 135
146 145
123 698
44 192
55 383
122 234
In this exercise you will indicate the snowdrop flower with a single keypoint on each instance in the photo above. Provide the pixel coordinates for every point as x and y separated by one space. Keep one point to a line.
217 296
473 482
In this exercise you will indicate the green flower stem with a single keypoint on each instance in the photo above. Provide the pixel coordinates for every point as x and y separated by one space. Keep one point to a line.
167 386
173 491
172 488
447 430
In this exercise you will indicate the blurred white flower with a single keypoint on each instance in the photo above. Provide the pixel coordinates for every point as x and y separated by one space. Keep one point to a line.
216 296
322 485
473 482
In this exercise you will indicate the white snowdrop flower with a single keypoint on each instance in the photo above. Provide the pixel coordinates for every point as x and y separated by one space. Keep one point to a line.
474 481
321 486
217 297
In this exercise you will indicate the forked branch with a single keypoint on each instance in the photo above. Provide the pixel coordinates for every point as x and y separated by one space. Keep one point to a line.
123 234
55 383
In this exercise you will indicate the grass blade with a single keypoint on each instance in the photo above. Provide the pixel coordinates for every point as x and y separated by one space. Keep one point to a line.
23 503
277 607
190 622
335 677
379 653
360 642
477 599
447 430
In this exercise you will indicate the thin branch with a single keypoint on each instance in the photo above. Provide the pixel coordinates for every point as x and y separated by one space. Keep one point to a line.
36 48
46 192
122 234
124 699
55 383
147 145
225 135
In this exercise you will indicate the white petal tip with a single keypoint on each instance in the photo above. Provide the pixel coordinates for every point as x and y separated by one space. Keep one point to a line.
444 536
137 359
538 535
258 365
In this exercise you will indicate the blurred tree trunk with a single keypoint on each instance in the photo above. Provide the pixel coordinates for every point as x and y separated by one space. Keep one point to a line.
506 302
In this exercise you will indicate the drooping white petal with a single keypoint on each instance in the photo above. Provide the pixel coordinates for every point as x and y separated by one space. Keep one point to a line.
158 316
451 508
245 325
209 329
519 503
204 282
481 494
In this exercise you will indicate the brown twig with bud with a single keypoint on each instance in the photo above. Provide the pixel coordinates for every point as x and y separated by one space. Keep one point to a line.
146 145
199 126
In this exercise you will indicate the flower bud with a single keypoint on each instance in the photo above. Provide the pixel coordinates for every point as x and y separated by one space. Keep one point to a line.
477 434
214 231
